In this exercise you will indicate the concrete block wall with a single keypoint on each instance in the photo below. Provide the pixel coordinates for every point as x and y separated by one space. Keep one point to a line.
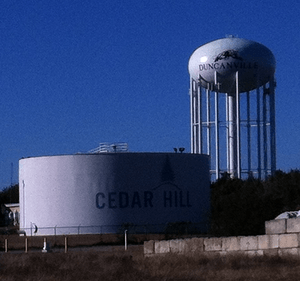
283 226
277 244
282 237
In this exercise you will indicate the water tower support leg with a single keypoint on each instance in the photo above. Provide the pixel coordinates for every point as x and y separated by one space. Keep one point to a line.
265 133
273 128
208 138
238 126
248 134
258 123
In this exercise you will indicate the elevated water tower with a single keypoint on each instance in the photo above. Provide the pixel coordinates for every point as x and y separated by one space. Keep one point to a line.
232 99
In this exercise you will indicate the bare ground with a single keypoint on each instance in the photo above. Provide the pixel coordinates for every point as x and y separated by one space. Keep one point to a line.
117 264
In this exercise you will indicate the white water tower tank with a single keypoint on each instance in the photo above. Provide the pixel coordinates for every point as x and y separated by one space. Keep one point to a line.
255 63
232 101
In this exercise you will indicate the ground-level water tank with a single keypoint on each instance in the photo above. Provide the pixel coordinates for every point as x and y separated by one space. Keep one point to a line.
100 193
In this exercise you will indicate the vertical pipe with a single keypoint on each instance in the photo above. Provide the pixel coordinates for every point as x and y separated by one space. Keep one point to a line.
265 136
26 245
238 124
45 248
126 245
6 245
66 244
248 134
23 222
227 133
258 122
232 132
217 125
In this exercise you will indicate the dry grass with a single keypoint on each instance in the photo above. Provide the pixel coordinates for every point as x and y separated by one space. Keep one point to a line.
131 265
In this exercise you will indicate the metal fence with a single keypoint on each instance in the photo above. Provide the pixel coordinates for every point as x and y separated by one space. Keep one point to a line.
168 228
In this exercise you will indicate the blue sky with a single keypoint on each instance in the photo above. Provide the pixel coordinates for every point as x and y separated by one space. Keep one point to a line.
77 73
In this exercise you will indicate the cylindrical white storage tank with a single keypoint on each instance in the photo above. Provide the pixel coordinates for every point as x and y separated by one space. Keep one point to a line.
98 193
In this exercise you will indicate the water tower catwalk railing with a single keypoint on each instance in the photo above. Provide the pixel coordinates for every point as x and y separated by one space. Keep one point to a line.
236 129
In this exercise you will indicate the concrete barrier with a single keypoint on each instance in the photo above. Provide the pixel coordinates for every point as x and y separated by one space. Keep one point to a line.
263 242
291 251
176 246
213 244
273 241
293 225
231 244
193 245
276 226
249 243
288 241
162 247
149 248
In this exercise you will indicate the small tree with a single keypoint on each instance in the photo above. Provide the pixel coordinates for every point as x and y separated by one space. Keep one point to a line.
10 194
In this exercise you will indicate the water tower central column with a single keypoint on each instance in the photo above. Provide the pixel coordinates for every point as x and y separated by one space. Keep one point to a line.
232 135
